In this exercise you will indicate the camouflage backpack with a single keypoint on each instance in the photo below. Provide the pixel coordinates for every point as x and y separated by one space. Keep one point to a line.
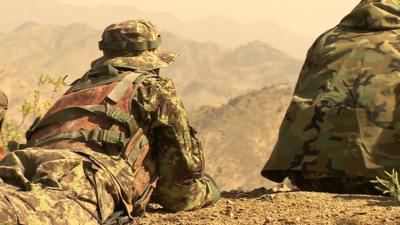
95 113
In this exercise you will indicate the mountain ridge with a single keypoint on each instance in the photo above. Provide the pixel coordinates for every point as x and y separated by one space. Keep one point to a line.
220 29
240 135
200 72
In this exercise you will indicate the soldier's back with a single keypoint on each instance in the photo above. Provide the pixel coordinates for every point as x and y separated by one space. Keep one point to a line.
343 120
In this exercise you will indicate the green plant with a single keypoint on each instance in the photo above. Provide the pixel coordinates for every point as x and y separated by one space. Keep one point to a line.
389 186
32 108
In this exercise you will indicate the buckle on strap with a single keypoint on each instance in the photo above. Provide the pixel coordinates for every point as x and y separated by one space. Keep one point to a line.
104 136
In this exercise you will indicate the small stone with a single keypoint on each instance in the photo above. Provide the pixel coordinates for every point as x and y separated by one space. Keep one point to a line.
268 220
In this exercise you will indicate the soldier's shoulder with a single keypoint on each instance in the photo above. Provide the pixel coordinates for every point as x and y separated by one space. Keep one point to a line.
157 82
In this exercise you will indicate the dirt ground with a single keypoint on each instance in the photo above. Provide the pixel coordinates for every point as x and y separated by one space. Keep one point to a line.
263 207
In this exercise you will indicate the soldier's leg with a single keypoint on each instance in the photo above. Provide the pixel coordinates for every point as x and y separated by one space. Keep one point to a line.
54 185
43 207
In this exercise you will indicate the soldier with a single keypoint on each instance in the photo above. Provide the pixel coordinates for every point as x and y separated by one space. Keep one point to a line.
116 135
3 109
341 129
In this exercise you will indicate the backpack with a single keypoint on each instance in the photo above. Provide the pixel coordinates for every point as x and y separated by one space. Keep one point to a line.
96 113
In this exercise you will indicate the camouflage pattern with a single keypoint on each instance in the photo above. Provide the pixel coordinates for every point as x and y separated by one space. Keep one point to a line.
3 107
56 186
344 115
81 186
331 183
134 31
180 158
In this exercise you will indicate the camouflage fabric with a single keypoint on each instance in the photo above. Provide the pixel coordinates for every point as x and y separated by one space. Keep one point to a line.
344 115
3 107
57 186
81 186
327 182
180 158
139 32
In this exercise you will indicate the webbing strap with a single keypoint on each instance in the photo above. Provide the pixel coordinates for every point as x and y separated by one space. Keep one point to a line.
80 85
118 91
95 135
97 76
130 46
132 156
70 113
105 70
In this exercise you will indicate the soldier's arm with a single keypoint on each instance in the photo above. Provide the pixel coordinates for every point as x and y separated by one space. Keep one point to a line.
182 184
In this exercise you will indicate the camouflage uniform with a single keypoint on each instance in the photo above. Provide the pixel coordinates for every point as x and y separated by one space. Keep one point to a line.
343 120
3 107
52 184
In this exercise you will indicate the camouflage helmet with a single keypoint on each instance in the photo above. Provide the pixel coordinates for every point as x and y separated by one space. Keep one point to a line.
133 44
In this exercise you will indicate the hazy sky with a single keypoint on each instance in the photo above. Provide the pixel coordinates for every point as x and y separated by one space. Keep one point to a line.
307 17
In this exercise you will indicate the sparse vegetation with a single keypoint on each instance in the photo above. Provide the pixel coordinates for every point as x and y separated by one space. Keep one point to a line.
32 108
390 185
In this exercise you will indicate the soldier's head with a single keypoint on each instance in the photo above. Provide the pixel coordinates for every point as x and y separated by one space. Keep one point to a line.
3 107
133 44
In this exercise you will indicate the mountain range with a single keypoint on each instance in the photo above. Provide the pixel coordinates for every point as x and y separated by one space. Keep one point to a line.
239 136
218 29
205 73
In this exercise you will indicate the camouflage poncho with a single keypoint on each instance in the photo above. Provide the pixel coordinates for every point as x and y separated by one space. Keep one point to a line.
344 115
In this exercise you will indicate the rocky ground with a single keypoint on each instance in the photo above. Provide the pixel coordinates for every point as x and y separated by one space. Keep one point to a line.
264 207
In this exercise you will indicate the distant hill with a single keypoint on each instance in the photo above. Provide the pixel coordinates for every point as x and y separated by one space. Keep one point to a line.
238 137
33 49
219 29
205 72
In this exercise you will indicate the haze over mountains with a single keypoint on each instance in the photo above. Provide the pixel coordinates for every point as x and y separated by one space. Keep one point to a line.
219 29
205 73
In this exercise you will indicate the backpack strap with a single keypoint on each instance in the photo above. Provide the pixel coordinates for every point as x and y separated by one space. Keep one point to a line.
115 114
96 77
118 91
95 135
